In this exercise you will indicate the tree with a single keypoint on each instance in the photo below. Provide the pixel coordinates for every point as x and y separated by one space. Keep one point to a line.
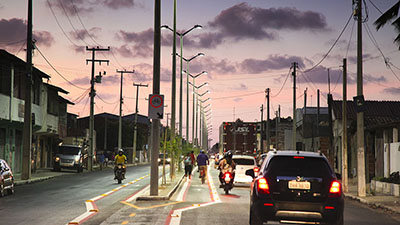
388 16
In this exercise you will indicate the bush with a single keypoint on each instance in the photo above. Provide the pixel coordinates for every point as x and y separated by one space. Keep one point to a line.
393 178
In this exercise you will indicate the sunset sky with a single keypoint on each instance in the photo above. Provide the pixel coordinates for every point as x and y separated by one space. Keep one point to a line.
248 45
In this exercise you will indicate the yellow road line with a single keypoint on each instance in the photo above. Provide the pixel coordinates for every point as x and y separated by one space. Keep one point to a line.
149 207
132 215
125 222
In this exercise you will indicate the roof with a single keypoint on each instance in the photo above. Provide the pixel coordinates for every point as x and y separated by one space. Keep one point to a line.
242 156
377 113
17 61
59 89
66 100
297 153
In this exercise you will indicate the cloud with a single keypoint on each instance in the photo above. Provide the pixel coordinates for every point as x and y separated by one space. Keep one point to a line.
144 73
243 21
217 66
142 43
240 87
88 6
118 4
392 90
273 62
238 99
82 34
43 38
78 49
81 81
16 31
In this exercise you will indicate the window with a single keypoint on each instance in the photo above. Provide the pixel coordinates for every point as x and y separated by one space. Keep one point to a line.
242 161
291 166
5 80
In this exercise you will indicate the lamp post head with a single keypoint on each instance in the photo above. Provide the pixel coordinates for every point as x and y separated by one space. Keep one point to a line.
198 26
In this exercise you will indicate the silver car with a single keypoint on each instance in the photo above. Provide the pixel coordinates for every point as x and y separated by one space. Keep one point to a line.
69 157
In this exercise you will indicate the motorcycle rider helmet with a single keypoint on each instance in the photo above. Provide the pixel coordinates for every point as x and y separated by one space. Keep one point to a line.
202 151
120 151
228 155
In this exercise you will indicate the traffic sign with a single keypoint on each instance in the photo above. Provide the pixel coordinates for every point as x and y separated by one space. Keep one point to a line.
156 106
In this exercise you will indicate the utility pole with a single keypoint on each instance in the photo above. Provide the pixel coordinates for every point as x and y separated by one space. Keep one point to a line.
318 115
156 90
92 94
121 101
344 130
304 118
277 118
329 82
133 156
360 115
294 107
268 127
27 132
173 94
261 129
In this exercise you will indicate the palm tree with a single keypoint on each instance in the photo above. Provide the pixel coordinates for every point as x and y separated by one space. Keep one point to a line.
388 16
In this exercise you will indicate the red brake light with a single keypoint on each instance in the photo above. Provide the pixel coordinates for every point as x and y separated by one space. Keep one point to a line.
298 157
262 185
335 188
256 169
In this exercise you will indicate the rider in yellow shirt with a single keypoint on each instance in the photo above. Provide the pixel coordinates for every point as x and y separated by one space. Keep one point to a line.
119 159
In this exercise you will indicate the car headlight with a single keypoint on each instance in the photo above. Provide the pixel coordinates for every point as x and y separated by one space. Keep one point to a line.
57 159
77 158
168 160
159 160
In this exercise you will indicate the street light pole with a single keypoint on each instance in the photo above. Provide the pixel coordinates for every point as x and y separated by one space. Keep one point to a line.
136 118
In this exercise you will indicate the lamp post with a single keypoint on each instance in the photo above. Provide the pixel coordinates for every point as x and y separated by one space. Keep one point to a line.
181 35
197 114
194 97
201 103
203 124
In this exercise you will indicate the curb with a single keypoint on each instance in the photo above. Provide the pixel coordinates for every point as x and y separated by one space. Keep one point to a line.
161 198
374 205
22 182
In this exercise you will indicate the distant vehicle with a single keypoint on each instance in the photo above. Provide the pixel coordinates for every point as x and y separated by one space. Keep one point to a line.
243 163
6 179
260 159
161 158
239 137
70 157
295 186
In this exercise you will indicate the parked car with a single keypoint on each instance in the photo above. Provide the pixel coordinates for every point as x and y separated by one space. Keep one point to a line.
243 163
70 157
6 179
161 158
296 186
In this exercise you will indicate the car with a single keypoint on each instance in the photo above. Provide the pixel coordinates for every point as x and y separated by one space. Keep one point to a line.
243 163
296 187
70 157
6 179
161 158
260 159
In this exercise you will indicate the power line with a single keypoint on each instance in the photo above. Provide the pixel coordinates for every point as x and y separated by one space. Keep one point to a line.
236 96
12 43
70 22
323 58
44 57
351 36
375 6
283 85
59 25
110 103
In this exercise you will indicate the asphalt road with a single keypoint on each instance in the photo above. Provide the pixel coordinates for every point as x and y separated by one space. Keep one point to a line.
62 199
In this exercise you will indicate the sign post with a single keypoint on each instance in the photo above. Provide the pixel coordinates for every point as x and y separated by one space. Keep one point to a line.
156 106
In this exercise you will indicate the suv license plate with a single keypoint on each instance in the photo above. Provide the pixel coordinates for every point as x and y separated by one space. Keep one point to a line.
303 185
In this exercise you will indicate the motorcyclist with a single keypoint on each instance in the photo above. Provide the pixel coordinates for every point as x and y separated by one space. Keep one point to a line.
226 164
120 159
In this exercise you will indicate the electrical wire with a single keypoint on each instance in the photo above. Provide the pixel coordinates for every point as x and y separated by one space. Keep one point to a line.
375 6
70 22
110 103
59 25
81 97
283 85
236 96
323 58
12 43
351 36
337 82
44 57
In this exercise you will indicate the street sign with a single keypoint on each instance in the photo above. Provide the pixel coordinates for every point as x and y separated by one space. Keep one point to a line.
156 106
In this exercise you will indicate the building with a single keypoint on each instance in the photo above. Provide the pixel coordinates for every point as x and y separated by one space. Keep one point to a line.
382 122
49 112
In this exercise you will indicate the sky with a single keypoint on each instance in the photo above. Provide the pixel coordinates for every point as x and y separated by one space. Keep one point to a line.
248 46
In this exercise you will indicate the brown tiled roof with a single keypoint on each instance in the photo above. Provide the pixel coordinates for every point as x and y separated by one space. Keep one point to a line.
376 112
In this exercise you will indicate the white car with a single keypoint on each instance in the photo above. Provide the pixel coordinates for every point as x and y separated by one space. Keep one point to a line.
243 163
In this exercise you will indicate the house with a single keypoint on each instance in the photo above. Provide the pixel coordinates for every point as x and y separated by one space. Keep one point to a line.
48 113
381 121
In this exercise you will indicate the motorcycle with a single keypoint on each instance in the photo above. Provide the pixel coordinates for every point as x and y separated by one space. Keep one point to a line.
120 173
227 182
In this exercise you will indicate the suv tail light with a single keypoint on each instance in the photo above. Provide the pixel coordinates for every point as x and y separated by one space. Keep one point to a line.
262 186
335 188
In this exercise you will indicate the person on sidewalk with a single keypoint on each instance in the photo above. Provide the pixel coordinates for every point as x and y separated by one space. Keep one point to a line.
120 159
188 165
202 162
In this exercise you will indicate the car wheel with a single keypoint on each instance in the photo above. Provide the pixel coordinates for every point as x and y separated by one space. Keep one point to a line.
254 220
57 169
1 189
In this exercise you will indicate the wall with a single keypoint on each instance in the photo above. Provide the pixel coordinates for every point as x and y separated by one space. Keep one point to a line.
394 157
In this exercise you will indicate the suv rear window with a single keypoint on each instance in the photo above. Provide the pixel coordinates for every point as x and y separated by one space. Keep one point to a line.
247 162
298 166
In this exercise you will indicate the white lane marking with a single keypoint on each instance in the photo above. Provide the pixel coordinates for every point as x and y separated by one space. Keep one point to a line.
91 207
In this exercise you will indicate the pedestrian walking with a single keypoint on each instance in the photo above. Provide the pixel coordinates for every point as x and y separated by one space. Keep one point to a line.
188 165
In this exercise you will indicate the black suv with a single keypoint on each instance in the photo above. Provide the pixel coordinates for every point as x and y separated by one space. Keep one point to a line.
296 187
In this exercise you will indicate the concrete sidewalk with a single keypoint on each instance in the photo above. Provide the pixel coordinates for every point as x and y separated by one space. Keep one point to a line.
48 173
378 200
